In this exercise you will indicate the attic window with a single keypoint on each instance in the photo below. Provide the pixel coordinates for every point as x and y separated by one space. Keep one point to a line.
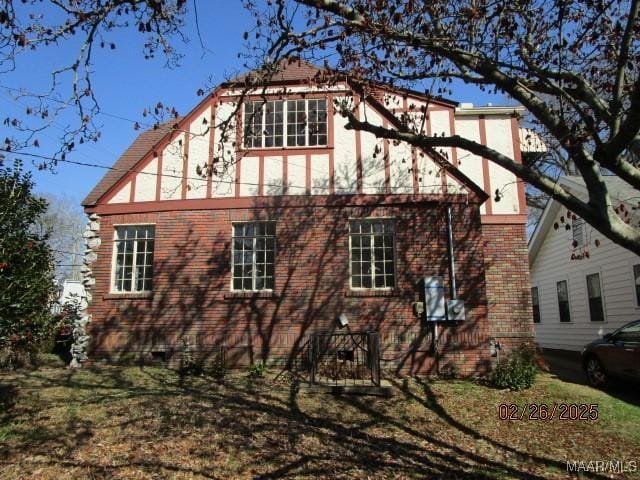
298 123
577 226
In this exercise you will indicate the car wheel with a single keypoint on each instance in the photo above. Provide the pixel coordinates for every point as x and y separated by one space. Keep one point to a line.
596 376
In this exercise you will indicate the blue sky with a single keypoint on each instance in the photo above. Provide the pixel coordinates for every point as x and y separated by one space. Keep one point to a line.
125 84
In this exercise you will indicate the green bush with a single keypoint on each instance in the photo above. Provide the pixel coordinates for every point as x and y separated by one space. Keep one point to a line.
189 365
217 369
517 371
26 270
257 370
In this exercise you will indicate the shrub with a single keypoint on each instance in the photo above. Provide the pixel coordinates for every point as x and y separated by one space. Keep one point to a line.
517 371
257 370
26 269
217 369
189 365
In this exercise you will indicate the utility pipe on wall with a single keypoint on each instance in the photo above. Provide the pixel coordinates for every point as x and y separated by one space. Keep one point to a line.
452 263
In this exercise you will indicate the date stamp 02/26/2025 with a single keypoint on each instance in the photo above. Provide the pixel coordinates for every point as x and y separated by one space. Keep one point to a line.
548 411
569 412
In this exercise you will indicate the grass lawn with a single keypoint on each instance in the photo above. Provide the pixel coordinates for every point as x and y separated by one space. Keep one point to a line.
117 422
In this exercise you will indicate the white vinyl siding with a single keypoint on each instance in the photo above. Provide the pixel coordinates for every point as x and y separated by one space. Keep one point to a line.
553 263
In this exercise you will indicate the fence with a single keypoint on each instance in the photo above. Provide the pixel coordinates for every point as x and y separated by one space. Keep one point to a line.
345 358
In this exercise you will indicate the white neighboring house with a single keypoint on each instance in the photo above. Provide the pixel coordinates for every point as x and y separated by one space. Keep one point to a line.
70 289
583 285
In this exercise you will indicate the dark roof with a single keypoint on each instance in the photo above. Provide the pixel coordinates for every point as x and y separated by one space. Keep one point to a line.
136 151
288 70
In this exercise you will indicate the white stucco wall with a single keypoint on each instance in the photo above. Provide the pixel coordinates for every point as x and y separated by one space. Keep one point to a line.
372 152
296 174
273 170
499 138
123 195
146 182
320 174
343 152
344 157
249 176
198 154
469 163
172 165
223 183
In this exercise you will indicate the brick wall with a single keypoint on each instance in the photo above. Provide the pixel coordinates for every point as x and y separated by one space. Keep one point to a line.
192 276
508 284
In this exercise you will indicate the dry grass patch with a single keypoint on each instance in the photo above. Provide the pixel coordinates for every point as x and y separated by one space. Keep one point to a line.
129 423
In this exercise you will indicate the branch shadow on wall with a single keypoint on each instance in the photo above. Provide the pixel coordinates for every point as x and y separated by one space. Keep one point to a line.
192 301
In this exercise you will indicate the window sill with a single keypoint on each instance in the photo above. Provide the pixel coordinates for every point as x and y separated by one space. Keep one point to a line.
248 294
131 296
373 293
267 150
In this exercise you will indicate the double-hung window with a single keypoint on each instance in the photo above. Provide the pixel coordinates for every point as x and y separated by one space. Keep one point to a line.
636 282
535 300
563 301
133 258
594 292
254 251
296 123
372 253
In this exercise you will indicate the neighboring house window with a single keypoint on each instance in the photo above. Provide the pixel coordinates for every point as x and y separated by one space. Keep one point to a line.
133 251
563 301
535 300
577 227
636 278
372 253
301 122
254 251
594 292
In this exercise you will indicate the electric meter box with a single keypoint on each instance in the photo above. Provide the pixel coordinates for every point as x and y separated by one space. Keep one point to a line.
455 310
434 304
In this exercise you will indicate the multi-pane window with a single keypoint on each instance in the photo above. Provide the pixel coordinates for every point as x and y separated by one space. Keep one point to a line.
317 114
133 252
301 122
372 253
594 292
253 118
296 123
254 251
563 301
535 300
636 282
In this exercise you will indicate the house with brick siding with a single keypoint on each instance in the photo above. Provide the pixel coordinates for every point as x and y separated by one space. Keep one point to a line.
302 222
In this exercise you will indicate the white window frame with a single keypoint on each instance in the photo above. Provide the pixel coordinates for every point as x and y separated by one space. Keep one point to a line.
586 273
537 287
633 285
285 124
114 253
395 256
253 257
571 315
